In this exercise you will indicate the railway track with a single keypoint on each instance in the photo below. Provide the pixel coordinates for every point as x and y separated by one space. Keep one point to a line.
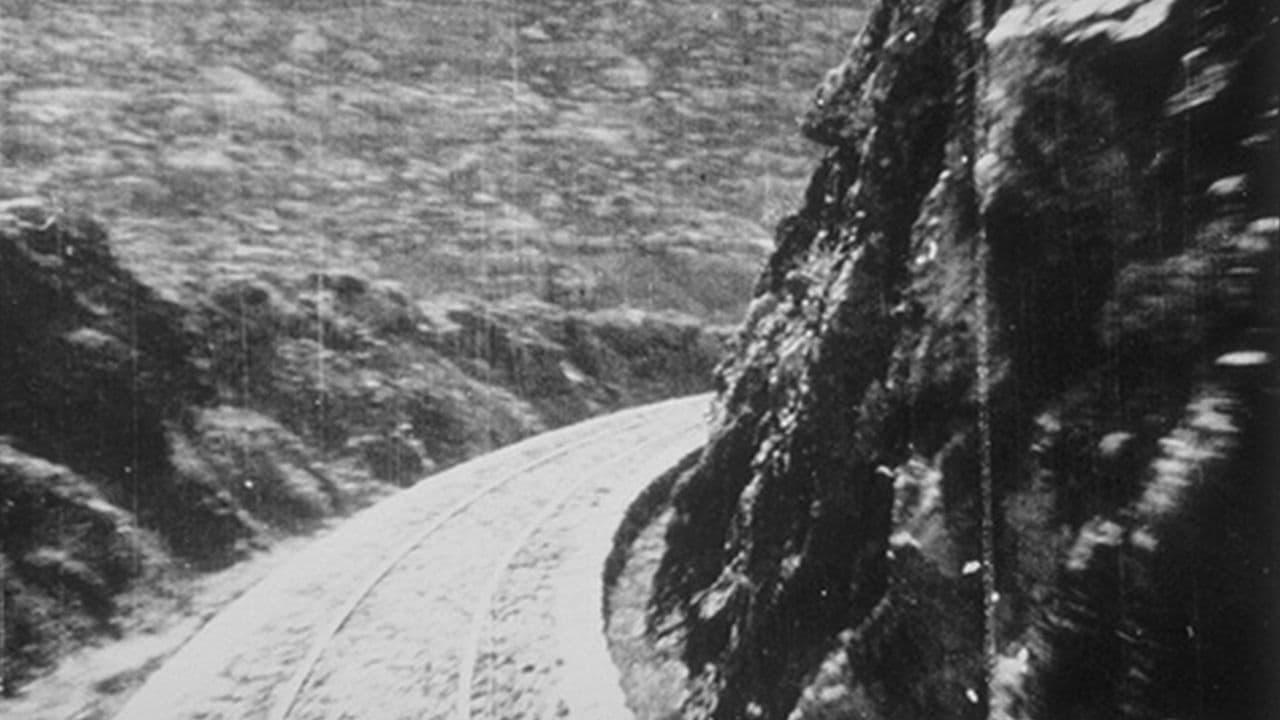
474 594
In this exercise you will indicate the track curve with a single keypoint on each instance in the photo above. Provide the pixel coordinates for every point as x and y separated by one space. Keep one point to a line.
476 593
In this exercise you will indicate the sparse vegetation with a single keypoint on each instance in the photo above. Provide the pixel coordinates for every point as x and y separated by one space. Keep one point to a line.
457 146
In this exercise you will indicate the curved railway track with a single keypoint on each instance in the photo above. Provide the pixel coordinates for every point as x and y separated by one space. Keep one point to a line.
473 594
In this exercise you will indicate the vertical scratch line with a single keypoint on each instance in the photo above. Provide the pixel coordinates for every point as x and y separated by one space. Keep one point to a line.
990 595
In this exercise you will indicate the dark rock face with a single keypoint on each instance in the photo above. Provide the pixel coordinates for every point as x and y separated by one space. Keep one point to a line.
1042 255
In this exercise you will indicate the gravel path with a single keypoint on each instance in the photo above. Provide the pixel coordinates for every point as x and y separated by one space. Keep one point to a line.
475 594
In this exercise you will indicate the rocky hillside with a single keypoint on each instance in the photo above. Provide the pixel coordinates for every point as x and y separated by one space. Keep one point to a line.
140 435
996 439
597 153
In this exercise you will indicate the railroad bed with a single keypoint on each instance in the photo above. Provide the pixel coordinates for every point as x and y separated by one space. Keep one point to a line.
474 594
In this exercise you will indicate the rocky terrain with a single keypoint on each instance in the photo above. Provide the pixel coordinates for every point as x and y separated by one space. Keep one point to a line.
998 437
591 154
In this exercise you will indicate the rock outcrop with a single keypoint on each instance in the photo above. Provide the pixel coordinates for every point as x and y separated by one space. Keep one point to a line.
1035 273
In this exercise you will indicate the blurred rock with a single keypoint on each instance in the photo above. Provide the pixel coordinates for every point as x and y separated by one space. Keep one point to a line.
398 458
306 45
234 86
630 74
361 62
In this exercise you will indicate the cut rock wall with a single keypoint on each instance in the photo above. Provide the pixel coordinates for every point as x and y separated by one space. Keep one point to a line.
1041 248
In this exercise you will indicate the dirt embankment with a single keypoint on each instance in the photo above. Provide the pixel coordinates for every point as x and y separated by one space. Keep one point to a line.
1039 262
139 435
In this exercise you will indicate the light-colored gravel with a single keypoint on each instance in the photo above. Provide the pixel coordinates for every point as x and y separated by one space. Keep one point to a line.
495 564
544 635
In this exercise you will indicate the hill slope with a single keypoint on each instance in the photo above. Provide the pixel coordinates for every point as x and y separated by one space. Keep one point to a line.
593 154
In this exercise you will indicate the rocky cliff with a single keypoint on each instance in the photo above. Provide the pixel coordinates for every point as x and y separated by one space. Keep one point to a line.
995 440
